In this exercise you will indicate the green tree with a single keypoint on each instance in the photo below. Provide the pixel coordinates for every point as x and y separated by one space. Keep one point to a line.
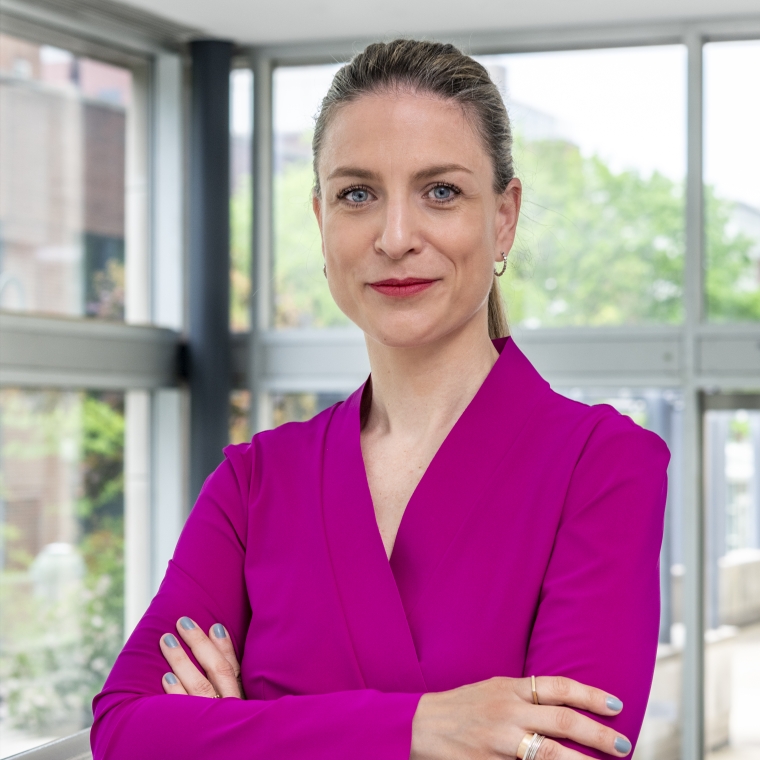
594 247
731 281
240 254
302 298
56 653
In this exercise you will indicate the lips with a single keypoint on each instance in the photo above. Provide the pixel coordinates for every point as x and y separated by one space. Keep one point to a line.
394 288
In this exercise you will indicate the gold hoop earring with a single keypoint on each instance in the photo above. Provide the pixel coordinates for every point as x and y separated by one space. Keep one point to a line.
503 266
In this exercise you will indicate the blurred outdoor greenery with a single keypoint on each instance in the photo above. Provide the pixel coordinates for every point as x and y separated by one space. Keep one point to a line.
240 255
595 247
61 629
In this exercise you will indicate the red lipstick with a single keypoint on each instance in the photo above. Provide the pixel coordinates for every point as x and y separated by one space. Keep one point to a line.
400 288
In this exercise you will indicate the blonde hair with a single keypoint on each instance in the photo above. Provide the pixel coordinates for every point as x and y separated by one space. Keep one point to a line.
438 69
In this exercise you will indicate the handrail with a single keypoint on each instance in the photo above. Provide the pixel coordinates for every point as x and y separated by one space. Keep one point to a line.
74 747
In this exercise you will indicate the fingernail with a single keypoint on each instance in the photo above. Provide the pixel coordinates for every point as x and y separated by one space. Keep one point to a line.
171 641
219 631
186 623
613 703
171 679
622 745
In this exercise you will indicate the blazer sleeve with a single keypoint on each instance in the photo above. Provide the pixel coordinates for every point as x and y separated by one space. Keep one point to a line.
134 718
599 609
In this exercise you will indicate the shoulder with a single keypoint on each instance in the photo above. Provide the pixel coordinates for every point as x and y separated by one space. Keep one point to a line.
286 445
620 474
602 428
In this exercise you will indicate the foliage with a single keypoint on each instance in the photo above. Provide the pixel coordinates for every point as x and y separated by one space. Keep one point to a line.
56 651
302 296
595 247
731 282
240 255
108 289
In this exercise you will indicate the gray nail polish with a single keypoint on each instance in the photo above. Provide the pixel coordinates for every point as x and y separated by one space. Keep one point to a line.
171 679
613 703
219 631
622 745
186 623
171 641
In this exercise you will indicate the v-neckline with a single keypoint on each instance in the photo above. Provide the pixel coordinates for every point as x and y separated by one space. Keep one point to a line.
380 595
499 344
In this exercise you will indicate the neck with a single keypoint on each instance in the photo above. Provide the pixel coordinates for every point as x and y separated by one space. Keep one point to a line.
416 391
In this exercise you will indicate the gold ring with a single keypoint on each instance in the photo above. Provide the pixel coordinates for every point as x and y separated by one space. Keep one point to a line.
524 744
533 689
217 696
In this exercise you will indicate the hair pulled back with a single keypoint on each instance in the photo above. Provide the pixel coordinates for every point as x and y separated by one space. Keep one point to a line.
437 69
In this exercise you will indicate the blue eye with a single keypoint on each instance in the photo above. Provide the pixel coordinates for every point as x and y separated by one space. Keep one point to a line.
442 193
357 196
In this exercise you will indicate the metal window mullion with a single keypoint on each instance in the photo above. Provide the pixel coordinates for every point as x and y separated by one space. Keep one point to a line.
693 711
262 259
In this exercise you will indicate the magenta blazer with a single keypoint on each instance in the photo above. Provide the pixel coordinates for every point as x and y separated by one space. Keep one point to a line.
530 546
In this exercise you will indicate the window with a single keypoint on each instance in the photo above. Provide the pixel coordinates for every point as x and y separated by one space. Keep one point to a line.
64 123
599 144
74 242
732 188
241 132
732 643
600 137
301 296
61 558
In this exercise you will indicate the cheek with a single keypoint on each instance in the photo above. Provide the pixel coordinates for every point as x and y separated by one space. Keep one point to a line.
343 241
470 250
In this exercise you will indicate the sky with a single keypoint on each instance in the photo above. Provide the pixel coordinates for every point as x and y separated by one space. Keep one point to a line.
627 105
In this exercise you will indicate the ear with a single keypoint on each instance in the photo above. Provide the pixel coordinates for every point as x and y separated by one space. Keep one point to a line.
507 214
316 206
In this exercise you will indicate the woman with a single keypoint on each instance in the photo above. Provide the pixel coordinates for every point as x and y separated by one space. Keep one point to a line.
391 573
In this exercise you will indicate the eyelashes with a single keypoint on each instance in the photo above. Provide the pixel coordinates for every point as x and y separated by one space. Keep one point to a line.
344 194
454 189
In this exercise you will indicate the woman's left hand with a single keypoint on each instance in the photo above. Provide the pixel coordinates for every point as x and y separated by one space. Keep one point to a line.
215 655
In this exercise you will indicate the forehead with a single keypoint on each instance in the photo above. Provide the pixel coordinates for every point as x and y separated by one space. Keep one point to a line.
416 129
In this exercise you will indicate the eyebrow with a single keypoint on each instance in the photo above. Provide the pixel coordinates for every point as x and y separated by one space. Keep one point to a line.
431 171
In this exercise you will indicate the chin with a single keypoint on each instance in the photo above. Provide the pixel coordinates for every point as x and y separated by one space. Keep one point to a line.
406 332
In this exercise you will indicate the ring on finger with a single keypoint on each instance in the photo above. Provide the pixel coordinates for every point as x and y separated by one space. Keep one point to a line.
217 696
529 746
533 690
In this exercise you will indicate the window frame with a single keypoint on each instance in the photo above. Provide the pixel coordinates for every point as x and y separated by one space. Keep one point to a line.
140 355
702 360
705 361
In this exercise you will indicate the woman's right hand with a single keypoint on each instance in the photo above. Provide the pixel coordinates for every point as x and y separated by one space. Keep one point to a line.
490 718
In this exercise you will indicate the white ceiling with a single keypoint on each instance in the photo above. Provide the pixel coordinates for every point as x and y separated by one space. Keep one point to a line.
270 21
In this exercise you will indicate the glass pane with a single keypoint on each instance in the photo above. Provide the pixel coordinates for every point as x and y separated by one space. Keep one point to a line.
301 296
600 143
63 122
241 134
732 642
732 181
61 558
662 412
297 407
240 410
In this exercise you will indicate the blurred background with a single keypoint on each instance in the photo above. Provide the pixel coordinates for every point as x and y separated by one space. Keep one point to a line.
161 295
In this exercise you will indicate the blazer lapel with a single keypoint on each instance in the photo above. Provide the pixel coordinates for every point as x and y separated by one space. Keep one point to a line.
372 606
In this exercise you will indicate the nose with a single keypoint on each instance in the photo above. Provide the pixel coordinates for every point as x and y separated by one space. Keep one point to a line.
400 233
